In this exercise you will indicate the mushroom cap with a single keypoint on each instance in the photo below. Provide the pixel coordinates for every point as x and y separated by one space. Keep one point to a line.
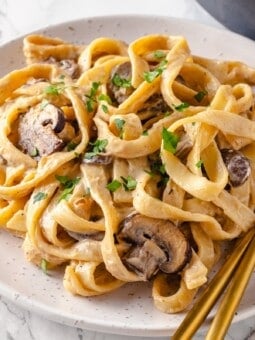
168 246
238 166
53 116
100 159
38 129
120 93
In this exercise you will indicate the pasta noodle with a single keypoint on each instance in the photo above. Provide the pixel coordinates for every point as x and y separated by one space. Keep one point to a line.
127 163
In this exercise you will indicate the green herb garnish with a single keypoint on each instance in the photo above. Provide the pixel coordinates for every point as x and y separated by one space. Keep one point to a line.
113 185
121 82
105 108
98 146
68 185
159 54
120 125
55 89
170 140
158 169
129 183
34 152
145 133
71 146
151 75
200 95
199 163
44 266
91 97
181 107
105 97
39 196
167 113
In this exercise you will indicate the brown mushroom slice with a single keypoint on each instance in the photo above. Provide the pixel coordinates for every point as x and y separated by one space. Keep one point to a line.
70 67
155 105
238 166
145 260
137 229
53 116
38 128
93 235
99 159
67 65
118 87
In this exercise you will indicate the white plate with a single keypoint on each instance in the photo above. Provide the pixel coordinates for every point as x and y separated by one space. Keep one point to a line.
129 310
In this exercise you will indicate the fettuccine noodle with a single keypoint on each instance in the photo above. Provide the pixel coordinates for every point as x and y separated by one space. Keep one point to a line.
127 163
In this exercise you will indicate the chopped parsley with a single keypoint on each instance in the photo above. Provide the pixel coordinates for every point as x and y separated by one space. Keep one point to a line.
149 76
200 95
55 89
91 97
199 164
145 133
98 146
44 266
105 97
167 114
34 152
170 140
158 169
159 54
113 185
105 108
121 82
119 123
71 146
39 196
181 107
68 185
129 183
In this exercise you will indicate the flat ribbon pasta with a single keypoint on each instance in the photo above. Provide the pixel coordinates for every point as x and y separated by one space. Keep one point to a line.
127 162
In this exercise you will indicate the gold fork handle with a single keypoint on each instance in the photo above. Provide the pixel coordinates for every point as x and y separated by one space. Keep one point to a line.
196 316
233 295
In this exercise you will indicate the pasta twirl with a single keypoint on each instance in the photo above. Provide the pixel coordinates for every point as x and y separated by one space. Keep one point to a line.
127 162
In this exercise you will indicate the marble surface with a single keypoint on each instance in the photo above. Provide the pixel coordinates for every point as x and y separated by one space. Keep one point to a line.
20 17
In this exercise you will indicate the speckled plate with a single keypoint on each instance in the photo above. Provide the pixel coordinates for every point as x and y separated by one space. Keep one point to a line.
129 310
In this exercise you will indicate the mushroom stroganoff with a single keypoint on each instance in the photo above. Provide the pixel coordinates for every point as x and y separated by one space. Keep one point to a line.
127 162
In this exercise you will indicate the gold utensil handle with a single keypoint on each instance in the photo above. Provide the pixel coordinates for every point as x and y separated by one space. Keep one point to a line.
233 295
202 307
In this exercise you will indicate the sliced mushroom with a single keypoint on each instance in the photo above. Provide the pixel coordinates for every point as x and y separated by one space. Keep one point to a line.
156 105
155 244
238 166
120 93
67 65
70 67
99 159
38 128
53 116
94 235
145 259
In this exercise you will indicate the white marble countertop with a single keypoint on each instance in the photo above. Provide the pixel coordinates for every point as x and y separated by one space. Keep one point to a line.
21 17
